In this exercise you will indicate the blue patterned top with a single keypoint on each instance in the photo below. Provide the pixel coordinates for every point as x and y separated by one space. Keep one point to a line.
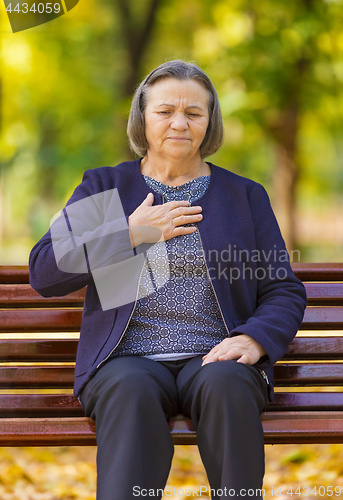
181 318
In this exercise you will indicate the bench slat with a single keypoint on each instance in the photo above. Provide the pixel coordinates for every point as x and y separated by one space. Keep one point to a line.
59 350
62 376
45 377
31 350
304 271
329 294
308 374
69 320
14 274
67 405
323 318
64 320
315 348
15 295
303 427
39 405
25 296
306 401
73 431
280 428
318 271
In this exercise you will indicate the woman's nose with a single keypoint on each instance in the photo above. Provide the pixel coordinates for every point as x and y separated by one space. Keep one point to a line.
179 121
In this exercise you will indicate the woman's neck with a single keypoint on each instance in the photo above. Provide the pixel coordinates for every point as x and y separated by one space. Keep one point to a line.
173 172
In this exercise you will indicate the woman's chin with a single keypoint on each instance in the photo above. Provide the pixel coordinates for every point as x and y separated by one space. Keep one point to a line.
180 153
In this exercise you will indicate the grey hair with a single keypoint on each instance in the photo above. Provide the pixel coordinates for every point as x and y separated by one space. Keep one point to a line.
180 70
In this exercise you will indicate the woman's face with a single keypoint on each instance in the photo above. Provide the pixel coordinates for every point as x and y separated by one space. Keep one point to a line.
176 118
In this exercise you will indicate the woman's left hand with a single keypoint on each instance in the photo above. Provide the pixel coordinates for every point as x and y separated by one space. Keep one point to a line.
242 347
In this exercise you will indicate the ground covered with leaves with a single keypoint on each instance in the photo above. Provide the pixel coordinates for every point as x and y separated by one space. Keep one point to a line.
292 472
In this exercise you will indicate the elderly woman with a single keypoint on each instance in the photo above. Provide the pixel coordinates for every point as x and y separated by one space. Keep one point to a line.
198 336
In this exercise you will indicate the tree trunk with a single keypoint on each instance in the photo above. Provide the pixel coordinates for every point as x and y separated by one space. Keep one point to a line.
286 173
284 197
137 39
285 133
137 36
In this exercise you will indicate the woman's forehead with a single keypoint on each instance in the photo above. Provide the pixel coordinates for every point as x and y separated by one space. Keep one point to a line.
171 91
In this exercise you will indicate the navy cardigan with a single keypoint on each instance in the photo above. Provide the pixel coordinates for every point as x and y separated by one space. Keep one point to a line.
257 292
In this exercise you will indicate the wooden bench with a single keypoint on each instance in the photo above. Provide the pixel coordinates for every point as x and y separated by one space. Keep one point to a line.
37 407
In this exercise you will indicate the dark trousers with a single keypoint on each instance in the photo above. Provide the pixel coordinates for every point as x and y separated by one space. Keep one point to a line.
131 397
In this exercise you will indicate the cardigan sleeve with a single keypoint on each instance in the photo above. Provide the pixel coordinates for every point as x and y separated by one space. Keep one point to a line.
91 232
281 297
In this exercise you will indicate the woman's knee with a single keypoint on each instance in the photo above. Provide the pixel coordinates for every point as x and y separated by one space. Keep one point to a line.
236 384
134 382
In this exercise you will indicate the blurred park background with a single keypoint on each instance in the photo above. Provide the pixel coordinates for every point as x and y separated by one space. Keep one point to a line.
66 88
65 93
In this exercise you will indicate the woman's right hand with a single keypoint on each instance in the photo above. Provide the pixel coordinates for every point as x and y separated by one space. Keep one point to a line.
150 224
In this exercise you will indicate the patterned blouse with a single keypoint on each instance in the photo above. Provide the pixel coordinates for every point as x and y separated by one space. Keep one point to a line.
180 319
